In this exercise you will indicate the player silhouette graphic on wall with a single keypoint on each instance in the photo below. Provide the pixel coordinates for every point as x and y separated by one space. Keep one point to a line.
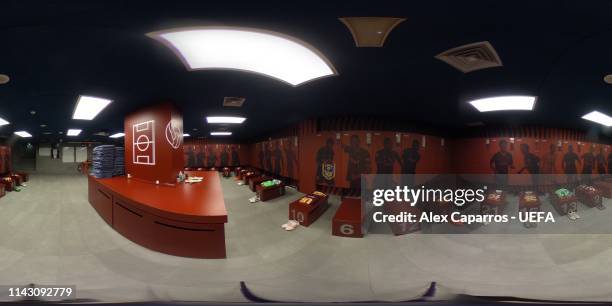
199 160
358 163
261 156
7 160
549 160
212 158
268 158
600 161
235 156
326 168
278 159
386 158
609 163
500 163
531 164
410 159
291 159
224 156
549 165
4 161
190 157
569 164
588 163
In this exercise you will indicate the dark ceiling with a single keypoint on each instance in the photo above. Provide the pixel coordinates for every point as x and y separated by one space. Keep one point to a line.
55 50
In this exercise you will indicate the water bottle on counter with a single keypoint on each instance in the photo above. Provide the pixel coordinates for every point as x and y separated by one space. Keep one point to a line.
181 177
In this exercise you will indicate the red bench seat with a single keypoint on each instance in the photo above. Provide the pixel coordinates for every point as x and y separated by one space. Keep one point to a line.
589 196
269 193
307 209
348 220
565 204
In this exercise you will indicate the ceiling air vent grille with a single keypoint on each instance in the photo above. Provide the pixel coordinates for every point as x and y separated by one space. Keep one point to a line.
233 101
471 57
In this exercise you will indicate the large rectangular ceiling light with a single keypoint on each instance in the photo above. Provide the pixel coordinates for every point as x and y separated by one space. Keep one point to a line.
117 135
23 134
228 120
3 122
598 117
89 107
220 133
243 49
73 132
504 103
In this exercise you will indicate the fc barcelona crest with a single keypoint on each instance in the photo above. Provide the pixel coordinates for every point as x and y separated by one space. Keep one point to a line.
328 170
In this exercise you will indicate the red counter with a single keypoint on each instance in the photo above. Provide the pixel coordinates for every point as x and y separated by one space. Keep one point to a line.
186 220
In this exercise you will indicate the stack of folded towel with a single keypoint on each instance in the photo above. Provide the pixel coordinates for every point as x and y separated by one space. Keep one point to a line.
119 164
103 161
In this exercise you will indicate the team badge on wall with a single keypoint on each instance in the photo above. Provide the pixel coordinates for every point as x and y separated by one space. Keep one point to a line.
174 135
328 170
143 143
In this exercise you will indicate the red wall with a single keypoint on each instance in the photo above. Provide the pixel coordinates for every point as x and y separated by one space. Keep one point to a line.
202 153
437 155
278 156
434 155
473 155
160 159
5 159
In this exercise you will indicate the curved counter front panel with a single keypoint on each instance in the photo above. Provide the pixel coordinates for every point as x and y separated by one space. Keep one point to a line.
185 220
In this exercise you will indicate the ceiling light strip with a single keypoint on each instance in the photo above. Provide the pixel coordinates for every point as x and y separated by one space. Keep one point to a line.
226 120
23 134
73 132
598 117
504 103
89 107
220 133
245 49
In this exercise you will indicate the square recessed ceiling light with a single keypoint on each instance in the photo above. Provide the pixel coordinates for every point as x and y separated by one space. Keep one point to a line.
73 132
23 134
504 103
117 135
89 107
186 135
3 122
227 120
220 133
598 117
